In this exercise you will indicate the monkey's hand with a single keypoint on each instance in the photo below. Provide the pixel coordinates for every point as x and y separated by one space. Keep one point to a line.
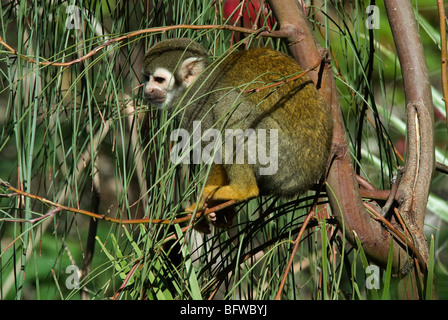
215 195
222 218
219 189
207 195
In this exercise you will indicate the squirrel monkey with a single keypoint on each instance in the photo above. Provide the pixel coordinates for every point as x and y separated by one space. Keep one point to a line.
250 91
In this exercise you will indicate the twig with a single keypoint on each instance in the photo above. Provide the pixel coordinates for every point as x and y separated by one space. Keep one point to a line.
126 280
393 192
442 18
104 217
298 239
296 245
258 32
398 234
443 168
48 214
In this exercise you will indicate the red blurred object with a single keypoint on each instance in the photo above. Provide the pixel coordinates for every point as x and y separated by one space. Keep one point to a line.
249 13
400 146
439 115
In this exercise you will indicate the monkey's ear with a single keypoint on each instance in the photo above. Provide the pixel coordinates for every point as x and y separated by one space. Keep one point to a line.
190 70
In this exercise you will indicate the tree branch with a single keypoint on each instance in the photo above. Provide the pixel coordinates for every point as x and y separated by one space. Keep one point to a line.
258 32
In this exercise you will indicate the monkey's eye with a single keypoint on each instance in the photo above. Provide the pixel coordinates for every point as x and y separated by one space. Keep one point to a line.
159 79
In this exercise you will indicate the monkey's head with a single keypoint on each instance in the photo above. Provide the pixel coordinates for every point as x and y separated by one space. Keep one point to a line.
170 67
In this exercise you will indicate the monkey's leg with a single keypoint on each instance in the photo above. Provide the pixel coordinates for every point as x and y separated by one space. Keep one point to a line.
217 177
242 184
232 182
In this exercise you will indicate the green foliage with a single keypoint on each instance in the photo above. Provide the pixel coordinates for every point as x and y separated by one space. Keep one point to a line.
69 133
